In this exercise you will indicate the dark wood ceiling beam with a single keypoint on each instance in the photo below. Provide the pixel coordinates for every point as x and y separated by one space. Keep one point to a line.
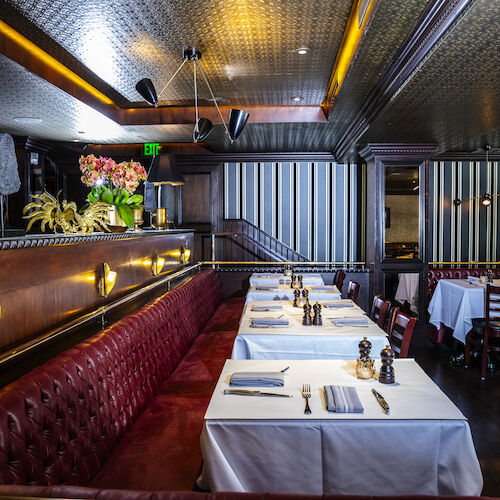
438 17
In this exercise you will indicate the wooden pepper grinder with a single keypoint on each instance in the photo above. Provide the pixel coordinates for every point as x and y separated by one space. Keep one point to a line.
306 319
301 285
296 300
317 320
386 375
292 284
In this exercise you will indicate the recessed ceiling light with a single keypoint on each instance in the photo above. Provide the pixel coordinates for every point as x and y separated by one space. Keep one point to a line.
297 99
302 50
28 120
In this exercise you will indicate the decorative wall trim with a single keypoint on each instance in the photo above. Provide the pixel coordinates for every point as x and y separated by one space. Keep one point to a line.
71 239
437 18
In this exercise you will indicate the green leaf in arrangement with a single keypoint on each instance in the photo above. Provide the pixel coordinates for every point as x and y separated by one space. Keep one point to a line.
91 198
125 197
126 214
136 199
107 197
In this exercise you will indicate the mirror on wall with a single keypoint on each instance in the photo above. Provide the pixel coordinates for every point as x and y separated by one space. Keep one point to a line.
401 212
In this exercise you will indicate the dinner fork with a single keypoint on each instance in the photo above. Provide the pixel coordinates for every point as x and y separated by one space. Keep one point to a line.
306 394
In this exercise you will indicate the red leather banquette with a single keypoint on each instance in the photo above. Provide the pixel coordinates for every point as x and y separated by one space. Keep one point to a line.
123 409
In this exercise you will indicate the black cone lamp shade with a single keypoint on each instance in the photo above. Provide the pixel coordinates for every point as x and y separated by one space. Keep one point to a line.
164 170
237 122
204 128
147 90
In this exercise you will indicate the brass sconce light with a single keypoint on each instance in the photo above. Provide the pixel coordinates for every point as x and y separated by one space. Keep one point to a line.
185 254
106 280
157 264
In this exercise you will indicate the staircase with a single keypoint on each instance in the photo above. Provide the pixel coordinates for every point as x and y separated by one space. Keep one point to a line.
241 241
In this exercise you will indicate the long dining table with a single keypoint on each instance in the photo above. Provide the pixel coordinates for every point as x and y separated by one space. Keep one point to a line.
308 279
423 446
285 292
344 324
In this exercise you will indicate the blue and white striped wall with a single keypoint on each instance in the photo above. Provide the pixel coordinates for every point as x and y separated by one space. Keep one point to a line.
468 232
312 207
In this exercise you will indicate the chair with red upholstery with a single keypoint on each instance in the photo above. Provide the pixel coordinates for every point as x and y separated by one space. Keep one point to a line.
353 291
379 310
485 333
400 331
338 281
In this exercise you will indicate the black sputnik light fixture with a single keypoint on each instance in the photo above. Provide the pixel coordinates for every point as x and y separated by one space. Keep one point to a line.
486 199
203 126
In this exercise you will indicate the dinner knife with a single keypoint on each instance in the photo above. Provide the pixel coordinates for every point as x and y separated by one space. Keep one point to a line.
381 401
244 392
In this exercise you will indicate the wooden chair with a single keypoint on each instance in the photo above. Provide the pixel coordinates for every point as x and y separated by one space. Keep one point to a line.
400 330
379 310
353 291
338 281
485 331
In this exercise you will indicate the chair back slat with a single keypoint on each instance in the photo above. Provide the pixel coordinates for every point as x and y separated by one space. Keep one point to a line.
492 310
379 310
353 291
338 281
400 331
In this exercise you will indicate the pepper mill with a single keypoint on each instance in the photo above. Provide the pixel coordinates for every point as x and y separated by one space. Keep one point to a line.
305 293
292 284
288 270
301 285
386 375
296 300
364 364
317 320
306 319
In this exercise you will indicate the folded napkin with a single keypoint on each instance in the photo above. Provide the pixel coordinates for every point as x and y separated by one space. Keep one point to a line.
266 308
350 322
269 321
342 399
271 288
338 305
327 288
258 379
473 279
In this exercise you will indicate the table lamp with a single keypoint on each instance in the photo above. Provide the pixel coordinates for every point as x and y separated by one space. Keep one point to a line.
163 170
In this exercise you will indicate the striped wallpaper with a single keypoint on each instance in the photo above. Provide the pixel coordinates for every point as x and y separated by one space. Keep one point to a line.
467 232
312 207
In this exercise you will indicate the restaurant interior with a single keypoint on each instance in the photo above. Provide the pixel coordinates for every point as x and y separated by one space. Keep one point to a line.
249 249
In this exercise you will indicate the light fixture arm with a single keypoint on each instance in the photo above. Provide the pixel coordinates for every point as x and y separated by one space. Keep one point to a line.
213 98
195 94
172 77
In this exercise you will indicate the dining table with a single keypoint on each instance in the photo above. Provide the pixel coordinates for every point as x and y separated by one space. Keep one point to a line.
285 292
407 290
455 303
422 446
344 324
311 279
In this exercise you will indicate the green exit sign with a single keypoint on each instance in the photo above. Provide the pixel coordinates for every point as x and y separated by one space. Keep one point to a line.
151 148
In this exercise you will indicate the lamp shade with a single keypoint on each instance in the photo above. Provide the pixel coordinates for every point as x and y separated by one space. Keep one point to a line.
203 128
237 122
147 90
164 170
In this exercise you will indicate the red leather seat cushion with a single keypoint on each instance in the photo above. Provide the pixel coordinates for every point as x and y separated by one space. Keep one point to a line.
227 316
161 450
199 370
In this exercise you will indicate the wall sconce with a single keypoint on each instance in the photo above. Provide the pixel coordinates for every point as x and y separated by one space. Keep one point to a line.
106 280
486 200
157 264
185 254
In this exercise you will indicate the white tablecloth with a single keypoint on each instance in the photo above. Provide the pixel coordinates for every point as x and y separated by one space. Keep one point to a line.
454 304
284 292
297 341
280 278
408 290
256 444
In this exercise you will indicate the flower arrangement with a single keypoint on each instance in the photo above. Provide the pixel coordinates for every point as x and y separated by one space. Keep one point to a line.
113 183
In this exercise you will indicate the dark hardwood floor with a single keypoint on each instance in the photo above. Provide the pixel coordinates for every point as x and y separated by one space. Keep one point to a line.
479 401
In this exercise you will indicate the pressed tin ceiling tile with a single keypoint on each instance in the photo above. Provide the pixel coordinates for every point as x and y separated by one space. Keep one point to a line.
247 45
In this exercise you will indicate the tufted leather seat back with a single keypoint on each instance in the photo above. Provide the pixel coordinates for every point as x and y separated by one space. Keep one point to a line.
60 422
437 273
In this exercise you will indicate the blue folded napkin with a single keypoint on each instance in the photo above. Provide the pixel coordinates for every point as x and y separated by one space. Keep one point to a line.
341 399
267 287
266 308
350 322
322 288
338 305
258 379
269 321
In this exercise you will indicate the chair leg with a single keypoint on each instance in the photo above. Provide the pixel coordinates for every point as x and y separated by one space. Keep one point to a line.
484 361
467 354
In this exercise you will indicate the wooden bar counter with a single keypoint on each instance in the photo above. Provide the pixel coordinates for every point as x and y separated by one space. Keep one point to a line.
48 280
